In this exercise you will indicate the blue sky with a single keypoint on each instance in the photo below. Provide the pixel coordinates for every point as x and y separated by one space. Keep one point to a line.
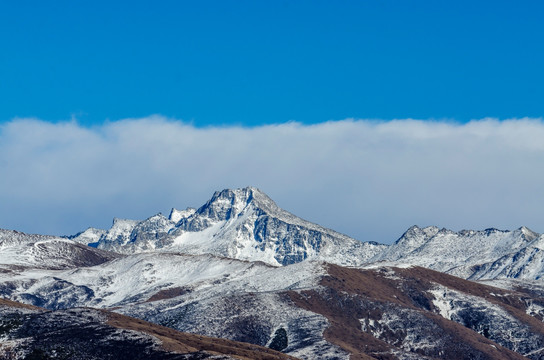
255 62
124 109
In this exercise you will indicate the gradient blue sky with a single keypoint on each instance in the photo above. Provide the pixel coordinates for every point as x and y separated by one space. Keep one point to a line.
255 62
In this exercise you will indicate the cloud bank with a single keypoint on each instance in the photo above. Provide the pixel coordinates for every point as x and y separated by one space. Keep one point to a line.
368 179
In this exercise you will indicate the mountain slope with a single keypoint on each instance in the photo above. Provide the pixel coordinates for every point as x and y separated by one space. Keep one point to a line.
311 310
202 294
33 333
423 314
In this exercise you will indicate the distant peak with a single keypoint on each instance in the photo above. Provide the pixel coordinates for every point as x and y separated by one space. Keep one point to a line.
444 231
428 230
416 234
528 234
412 231
251 188
526 230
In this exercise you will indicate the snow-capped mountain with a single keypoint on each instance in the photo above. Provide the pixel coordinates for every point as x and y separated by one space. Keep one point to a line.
239 267
487 254
246 224
242 224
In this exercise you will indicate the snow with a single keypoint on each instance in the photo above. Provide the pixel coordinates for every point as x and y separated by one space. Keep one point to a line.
213 283
443 302
246 224
484 317
387 265
140 276
89 236
120 229
498 254
535 309
176 215
401 327
21 250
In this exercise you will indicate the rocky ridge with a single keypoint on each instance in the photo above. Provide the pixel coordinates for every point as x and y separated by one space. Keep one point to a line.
476 255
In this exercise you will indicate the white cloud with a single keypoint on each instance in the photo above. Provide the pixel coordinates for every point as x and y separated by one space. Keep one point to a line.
369 179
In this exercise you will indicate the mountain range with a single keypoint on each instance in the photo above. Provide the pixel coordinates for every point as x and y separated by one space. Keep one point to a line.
242 269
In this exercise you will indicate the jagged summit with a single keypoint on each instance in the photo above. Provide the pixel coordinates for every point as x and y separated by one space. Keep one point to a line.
228 203
90 236
240 223
528 234
416 234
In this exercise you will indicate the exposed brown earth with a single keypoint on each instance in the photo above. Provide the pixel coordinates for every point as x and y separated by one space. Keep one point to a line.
512 301
15 304
168 294
349 295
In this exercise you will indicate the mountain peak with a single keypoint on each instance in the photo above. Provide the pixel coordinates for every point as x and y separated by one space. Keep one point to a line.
416 234
228 203
528 234
246 194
